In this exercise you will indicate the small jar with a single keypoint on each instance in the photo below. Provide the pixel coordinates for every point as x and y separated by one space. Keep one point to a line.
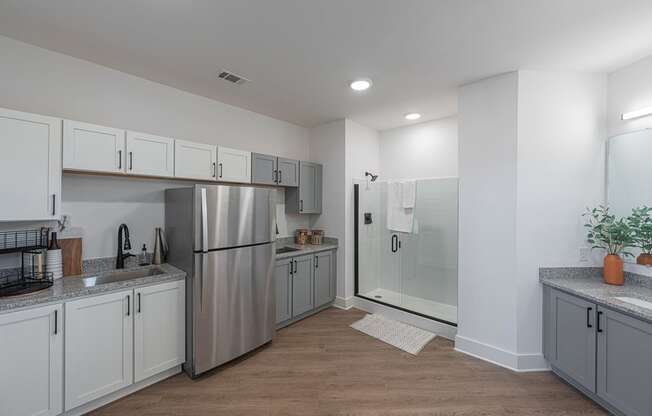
316 237
301 236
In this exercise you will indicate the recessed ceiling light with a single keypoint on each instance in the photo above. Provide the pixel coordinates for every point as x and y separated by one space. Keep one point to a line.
360 84
412 116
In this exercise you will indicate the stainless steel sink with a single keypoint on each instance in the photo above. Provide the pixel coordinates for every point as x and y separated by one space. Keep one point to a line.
286 250
120 276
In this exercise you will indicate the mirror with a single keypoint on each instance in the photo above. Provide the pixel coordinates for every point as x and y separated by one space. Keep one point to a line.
629 174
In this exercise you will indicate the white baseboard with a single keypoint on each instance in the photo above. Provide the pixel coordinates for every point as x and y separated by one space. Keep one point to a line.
343 303
102 401
516 362
441 329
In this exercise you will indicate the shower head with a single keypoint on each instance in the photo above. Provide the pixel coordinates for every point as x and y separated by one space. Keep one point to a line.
373 177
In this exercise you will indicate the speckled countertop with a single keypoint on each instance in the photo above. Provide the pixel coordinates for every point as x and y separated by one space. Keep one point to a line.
328 244
586 282
72 287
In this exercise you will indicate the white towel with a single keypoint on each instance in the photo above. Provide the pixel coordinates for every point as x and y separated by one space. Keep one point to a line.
409 192
398 218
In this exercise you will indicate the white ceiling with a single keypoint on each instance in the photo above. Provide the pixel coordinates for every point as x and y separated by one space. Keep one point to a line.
301 54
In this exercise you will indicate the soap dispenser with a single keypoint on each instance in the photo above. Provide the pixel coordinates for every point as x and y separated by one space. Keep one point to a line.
143 256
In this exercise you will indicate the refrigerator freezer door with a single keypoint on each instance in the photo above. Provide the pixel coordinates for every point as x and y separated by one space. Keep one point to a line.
234 216
234 304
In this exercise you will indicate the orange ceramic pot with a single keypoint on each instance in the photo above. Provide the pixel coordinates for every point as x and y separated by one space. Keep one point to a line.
613 270
644 258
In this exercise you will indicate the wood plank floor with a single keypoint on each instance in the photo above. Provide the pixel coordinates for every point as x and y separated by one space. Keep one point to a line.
320 366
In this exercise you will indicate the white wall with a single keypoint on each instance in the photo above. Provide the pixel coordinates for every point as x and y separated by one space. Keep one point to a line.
362 154
630 88
40 81
561 171
327 146
487 222
423 150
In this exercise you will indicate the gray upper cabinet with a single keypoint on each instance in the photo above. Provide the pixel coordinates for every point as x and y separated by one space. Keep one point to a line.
302 288
307 198
283 277
263 169
572 343
324 280
287 172
624 362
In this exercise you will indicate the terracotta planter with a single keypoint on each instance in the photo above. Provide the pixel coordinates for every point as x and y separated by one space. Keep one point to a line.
613 270
644 258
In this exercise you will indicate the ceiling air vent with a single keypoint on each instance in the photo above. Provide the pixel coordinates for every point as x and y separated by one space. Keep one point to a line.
231 77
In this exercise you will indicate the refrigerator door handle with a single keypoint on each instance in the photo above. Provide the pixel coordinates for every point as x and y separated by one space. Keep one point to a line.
204 247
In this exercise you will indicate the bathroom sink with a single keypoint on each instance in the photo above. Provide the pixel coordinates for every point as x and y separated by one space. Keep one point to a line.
638 302
121 276
286 250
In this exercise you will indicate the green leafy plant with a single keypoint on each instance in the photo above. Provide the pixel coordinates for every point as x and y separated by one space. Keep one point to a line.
641 222
607 232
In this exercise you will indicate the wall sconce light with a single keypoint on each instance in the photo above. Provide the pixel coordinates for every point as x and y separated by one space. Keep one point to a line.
636 114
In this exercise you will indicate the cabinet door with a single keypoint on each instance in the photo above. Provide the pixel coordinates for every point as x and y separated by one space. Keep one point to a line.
195 160
288 172
93 148
30 166
233 165
263 169
149 155
31 358
99 346
159 328
625 362
310 183
573 338
283 278
302 285
324 278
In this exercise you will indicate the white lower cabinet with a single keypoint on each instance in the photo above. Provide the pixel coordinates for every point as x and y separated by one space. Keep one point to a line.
159 329
31 359
99 346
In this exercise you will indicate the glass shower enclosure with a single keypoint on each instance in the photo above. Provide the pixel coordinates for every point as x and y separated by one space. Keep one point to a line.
409 264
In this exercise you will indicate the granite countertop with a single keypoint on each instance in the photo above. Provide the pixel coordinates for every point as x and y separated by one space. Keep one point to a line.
587 282
72 287
328 244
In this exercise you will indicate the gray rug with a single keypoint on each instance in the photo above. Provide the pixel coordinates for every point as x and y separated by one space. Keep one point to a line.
405 337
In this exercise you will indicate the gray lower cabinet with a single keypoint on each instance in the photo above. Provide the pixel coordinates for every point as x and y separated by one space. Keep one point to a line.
283 277
302 287
304 284
307 198
324 281
624 362
273 170
605 353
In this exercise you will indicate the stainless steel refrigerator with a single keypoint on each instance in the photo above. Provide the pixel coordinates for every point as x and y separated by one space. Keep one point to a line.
223 237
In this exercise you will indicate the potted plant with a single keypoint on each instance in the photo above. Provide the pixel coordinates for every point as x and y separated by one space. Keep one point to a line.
641 222
614 236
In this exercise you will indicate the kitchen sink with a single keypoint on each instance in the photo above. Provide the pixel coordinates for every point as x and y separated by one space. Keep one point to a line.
286 250
120 276
638 302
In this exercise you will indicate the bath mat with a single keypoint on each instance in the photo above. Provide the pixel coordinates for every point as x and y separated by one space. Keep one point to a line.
405 337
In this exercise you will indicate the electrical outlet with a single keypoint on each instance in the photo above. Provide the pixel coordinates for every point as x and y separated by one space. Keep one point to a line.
585 252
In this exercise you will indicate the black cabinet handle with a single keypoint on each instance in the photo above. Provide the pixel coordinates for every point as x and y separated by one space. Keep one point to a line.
280 176
214 170
394 243
599 315
54 204
301 205
220 166
274 176
128 305
138 302
131 160
588 317
295 266
56 321
119 159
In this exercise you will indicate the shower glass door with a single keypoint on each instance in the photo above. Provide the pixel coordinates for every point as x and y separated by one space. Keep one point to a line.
417 270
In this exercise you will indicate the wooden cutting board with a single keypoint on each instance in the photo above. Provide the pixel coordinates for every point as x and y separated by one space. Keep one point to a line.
71 249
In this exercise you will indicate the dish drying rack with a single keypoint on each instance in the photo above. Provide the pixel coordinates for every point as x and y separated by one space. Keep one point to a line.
26 279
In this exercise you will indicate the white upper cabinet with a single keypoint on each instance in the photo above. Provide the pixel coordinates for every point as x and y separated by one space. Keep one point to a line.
195 160
31 358
94 148
30 166
149 155
233 165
